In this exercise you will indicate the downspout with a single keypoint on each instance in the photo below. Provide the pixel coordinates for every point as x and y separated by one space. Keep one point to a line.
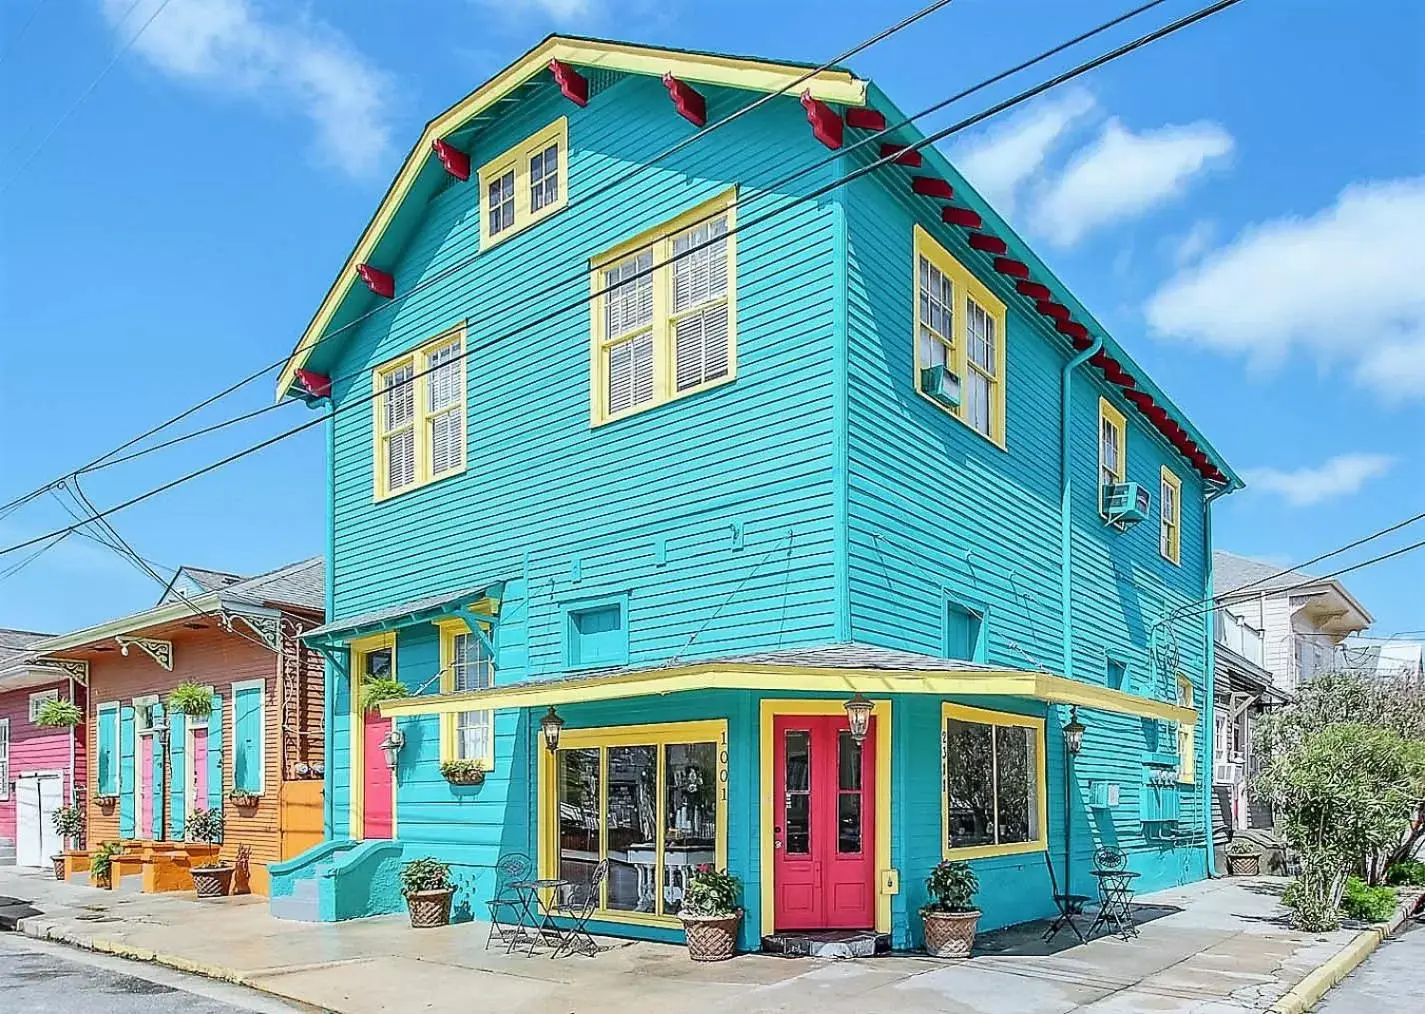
329 668
1210 681
1066 486
841 438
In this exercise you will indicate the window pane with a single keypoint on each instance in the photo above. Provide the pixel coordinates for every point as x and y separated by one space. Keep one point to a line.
980 335
1016 778
578 788
690 806
977 401
500 203
848 762
848 823
631 819
378 663
399 397
544 178
628 299
969 782
700 267
798 787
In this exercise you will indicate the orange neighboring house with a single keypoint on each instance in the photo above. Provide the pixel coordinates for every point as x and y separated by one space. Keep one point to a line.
258 756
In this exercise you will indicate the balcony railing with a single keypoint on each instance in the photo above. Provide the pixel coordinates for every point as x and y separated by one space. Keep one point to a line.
1234 633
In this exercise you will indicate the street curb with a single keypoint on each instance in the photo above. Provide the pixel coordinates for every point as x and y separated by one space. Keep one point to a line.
118 949
1306 993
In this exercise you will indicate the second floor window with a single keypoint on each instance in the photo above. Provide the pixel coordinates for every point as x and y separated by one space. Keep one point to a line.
420 416
1170 531
523 185
665 312
1112 447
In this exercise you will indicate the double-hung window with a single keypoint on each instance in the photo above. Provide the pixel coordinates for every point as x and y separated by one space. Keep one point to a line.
38 700
1170 529
960 326
1186 734
466 664
525 184
420 415
993 793
664 312
1112 448
4 758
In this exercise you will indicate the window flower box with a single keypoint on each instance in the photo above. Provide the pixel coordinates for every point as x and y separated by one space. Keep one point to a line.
244 799
463 772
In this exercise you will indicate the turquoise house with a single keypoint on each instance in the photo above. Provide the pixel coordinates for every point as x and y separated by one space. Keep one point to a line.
689 441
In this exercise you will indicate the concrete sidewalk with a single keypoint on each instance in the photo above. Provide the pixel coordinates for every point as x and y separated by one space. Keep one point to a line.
1209 948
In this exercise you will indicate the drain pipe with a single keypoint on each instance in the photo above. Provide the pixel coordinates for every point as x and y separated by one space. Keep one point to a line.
1204 777
1065 574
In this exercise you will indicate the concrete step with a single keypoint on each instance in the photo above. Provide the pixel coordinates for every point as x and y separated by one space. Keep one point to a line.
828 944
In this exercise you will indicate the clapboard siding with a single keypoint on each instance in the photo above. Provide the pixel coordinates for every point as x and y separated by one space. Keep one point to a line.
34 748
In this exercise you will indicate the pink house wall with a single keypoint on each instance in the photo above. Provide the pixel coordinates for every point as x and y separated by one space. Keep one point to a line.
33 748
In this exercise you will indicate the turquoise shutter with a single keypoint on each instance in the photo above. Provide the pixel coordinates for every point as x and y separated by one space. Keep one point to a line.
178 790
128 791
156 831
107 775
247 739
215 755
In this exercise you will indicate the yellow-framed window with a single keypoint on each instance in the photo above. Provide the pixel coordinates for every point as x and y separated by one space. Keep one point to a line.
664 312
1170 515
1112 447
993 788
649 799
419 415
960 325
525 184
466 663
1186 734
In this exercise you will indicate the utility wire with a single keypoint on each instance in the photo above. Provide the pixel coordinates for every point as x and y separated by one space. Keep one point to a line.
15 42
1021 97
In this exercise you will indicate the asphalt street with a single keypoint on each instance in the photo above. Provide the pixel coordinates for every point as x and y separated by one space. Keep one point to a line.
1391 980
43 978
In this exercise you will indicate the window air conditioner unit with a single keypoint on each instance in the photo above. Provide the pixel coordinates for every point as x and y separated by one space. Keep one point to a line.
942 384
1126 503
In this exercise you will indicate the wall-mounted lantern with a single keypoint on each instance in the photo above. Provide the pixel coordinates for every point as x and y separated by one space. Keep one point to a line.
1074 732
391 745
858 715
551 725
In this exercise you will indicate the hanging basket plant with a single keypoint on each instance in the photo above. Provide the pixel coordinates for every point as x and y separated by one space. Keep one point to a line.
191 699
376 689
59 714
106 801
463 772
243 799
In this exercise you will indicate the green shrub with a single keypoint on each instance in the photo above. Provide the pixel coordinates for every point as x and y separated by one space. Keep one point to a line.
205 826
58 714
711 892
1406 873
191 699
376 689
425 874
103 861
1366 903
68 823
952 887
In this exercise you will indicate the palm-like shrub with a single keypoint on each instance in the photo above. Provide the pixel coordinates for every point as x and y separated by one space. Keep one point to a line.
375 689
190 698
68 822
205 826
59 714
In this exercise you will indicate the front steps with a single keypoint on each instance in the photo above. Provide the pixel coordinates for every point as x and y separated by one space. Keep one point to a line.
827 944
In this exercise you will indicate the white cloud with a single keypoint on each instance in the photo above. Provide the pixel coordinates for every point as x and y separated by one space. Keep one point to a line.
1122 175
1341 476
1194 243
1003 159
1343 285
274 56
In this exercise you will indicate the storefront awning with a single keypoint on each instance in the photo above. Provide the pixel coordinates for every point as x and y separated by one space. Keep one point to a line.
432 607
836 669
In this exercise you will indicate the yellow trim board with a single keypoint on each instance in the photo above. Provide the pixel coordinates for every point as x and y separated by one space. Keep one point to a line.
881 712
837 86
775 678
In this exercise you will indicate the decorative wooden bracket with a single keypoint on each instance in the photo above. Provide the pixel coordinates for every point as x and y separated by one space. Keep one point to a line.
1049 308
265 626
826 126
1010 266
574 85
904 154
687 100
932 186
1035 290
378 281
318 385
989 244
160 651
456 162
961 216
863 118
78 668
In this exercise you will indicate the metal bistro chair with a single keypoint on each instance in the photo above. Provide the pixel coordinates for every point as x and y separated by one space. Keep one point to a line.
1115 891
576 936
507 906
1069 905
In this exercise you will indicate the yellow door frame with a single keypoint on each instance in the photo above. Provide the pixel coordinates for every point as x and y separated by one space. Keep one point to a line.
359 648
886 878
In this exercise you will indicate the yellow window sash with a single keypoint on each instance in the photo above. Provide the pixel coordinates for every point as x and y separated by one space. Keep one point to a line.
1116 421
1170 521
982 716
422 415
517 159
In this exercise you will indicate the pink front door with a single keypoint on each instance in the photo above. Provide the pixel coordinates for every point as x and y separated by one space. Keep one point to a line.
198 768
824 827
144 762
376 797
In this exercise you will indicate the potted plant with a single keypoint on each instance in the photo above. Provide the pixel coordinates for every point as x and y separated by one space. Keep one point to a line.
950 916
426 885
191 699
375 689
68 823
243 799
59 714
102 864
211 879
463 772
710 914
106 801
1243 858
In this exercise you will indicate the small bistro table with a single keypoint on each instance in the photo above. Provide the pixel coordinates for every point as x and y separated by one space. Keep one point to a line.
1115 895
534 915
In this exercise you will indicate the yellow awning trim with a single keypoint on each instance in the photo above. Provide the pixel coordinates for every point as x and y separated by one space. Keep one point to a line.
780 678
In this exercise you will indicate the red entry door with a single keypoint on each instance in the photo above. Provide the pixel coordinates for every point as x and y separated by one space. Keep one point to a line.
376 796
824 827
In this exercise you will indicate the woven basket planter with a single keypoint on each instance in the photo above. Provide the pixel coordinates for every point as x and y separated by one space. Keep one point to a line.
212 881
430 908
950 934
712 937
1249 865
58 866
476 777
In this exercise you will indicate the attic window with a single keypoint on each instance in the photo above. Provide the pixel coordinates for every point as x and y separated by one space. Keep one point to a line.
524 184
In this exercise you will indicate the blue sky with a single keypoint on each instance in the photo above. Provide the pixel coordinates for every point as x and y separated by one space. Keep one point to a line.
1242 205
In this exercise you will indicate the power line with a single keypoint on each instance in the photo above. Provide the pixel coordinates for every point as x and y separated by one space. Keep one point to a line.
1021 97
15 42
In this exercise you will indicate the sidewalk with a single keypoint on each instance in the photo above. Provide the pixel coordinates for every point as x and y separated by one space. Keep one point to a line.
1211 948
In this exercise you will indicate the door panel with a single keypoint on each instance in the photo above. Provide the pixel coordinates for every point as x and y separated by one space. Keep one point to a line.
197 767
376 796
144 767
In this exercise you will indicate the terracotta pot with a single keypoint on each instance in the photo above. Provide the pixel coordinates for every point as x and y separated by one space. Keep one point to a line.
711 937
950 934
212 881
58 866
430 908
1244 865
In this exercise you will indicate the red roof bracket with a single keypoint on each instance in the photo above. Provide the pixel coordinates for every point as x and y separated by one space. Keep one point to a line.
961 216
1102 360
318 385
1034 290
865 119
989 244
904 154
378 281
574 85
456 162
687 100
1142 399
1072 328
931 186
1010 266
826 126
1049 308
